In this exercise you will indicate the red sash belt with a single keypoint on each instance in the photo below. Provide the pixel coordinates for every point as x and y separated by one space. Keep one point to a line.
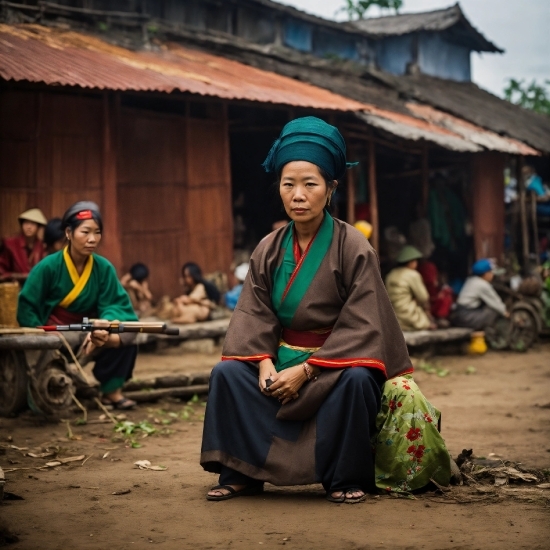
60 316
306 338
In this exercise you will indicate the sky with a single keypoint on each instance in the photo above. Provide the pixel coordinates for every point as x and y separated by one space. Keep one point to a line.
520 27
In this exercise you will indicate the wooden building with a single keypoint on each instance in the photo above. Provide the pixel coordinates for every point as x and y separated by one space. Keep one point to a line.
164 115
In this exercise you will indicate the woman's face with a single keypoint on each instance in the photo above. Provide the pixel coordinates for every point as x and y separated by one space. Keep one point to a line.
303 190
29 229
85 238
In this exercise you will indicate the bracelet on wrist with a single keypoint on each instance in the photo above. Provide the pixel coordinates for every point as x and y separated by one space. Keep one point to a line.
309 372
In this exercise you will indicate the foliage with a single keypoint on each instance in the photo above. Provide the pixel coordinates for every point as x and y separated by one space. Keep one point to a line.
357 9
532 96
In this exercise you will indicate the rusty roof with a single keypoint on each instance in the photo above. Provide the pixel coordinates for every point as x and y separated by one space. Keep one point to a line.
56 57
53 56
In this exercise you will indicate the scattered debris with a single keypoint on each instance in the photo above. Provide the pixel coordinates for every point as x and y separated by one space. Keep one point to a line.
67 460
122 492
496 471
146 465
41 455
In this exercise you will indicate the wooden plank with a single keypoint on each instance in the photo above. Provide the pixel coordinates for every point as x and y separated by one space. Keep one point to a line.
30 341
373 197
421 337
155 395
196 331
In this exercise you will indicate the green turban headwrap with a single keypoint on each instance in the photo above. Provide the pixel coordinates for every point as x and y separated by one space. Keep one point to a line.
313 140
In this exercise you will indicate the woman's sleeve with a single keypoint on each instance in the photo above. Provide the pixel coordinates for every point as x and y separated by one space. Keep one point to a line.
254 331
366 333
32 308
113 302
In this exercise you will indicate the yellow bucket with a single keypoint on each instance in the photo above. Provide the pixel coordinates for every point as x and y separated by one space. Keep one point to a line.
477 344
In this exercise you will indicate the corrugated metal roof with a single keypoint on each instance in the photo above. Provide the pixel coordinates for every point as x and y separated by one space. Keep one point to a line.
57 57
474 134
41 54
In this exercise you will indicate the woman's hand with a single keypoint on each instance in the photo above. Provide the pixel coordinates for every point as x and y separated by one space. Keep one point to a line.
100 338
287 383
267 370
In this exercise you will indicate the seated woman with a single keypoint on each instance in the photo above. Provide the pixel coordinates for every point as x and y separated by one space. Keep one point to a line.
75 283
311 343
20 253
199 300
478 305
408 295
136 285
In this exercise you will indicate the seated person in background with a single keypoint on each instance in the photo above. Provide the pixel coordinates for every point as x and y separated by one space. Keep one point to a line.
19 254
232 296
533 183
199 299
478 305
136 285
408 295
441 295
54 236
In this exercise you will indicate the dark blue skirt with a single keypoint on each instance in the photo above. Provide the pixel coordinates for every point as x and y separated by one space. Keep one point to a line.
244 440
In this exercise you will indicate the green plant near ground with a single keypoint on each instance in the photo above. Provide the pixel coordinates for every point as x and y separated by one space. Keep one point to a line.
131 431
432 368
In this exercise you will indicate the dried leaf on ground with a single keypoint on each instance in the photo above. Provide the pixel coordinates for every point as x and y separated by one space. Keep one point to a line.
146 465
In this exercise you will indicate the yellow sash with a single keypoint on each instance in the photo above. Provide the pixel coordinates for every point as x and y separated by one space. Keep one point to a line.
79 281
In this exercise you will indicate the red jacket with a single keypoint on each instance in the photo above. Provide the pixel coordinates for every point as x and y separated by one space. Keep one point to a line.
15 258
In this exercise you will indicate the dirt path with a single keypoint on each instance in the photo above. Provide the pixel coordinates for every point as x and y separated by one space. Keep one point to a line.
502 408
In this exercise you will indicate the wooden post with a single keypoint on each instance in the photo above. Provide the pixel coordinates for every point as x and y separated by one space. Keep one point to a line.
425 180
523 217
351 183
112 238
534 226
373 197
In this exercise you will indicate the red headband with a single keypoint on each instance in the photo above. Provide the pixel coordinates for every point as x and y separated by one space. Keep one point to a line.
84 215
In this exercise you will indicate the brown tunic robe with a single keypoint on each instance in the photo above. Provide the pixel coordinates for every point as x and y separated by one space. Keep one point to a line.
347 294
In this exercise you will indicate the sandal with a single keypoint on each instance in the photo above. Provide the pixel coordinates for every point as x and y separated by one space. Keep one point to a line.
123 404
249 491
345 499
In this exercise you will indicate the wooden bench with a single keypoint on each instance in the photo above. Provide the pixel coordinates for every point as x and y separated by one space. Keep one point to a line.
441 336
218 329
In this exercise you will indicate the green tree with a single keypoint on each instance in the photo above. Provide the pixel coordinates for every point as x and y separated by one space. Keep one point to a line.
530 96
357 9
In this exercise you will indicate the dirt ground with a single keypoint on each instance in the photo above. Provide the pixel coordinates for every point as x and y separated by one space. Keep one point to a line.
498 403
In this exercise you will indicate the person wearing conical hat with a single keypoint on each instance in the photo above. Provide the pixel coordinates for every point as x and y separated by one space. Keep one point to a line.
408 294
19 254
